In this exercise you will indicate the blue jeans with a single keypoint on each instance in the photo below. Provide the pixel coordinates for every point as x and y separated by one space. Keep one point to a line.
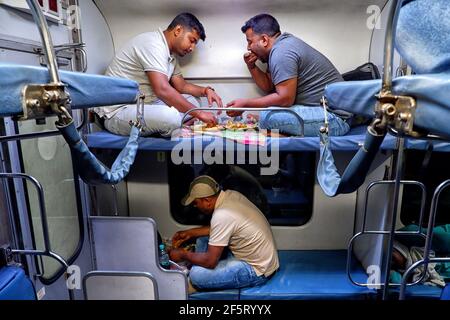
313 118
229 273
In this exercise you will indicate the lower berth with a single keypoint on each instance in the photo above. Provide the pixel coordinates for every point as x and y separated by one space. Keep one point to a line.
314 275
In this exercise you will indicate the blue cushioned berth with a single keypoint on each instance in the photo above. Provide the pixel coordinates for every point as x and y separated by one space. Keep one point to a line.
304 275
86 90
231 294
419 292
314 275
14 285
349 142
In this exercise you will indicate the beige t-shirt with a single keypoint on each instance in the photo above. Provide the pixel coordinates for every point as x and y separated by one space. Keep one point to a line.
240 225
146 52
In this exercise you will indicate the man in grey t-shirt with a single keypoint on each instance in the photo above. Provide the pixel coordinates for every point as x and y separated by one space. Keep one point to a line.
296 77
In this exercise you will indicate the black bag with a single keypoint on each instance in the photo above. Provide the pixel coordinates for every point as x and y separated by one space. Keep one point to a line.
367 71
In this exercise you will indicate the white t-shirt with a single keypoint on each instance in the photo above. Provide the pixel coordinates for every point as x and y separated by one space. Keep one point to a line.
146 52
240 225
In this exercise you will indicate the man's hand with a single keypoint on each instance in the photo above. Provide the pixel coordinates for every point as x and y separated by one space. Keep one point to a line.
238 103
250 59
212 97
176 255
180 237
206 117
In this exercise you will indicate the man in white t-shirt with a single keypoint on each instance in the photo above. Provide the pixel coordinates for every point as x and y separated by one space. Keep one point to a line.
150 60
236 224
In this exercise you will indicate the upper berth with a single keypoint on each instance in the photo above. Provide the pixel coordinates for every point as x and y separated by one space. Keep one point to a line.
349 142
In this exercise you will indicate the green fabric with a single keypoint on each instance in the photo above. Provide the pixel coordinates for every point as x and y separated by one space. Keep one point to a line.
395 277
440 243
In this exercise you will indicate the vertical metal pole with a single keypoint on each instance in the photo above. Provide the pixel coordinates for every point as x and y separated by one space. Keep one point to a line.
386 88
395 202
391 29
115 201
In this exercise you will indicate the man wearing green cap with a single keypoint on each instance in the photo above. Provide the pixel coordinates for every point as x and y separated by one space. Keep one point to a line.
236 223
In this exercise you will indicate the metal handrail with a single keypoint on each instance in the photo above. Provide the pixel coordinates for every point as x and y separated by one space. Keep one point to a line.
47 43
431 222
381 284
274 109
380 232
405 182
42 134
43 215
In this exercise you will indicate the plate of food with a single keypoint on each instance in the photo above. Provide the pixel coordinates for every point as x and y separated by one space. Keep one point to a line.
228 125
239 126
207 127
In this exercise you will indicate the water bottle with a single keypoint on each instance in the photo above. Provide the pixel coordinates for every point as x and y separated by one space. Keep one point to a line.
163 257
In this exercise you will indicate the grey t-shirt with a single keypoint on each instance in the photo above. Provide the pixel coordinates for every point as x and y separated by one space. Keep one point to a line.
291 57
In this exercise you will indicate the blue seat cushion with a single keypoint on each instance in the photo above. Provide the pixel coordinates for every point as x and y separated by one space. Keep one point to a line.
350 142
86 90
311 275
431 92
303 275
419 292
15 285
230 294
446 292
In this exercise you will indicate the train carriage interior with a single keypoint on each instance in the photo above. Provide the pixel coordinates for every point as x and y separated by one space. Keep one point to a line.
83 211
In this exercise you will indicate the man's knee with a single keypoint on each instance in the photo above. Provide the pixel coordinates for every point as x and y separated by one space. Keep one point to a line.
197 277
162 119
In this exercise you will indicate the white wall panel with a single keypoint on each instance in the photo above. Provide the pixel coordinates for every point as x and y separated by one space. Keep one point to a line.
336 28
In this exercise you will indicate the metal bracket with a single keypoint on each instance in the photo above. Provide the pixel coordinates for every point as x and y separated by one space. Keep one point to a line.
43 100
5 256
397 112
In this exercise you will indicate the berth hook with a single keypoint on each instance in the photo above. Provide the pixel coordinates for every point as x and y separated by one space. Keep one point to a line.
324 129
140 119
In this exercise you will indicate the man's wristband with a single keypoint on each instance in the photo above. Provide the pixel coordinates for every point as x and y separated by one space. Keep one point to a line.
206 89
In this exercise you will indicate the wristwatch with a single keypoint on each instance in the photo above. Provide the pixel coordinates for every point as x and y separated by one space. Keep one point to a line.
206 89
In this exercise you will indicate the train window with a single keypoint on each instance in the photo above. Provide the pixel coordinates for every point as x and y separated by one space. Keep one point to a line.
428 168
285 198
